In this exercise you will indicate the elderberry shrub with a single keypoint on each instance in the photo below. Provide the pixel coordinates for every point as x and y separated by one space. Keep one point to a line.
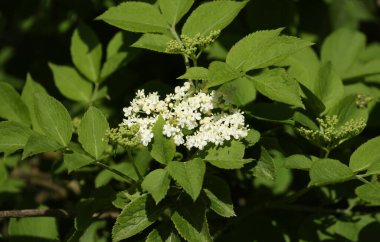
227 133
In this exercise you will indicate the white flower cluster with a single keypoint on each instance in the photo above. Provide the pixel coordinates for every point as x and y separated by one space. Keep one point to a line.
186 110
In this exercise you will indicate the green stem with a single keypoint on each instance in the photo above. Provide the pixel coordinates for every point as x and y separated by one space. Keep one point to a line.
360 178
176 36
195 61
364 175
116 172
134 164
327 153
96 88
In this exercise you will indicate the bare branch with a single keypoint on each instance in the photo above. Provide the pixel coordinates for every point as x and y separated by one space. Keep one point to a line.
60 213
57 213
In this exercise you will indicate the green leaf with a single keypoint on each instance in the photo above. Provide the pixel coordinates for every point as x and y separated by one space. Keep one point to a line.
189 175
363 69
162 149
91 234
239 92
103 178
86 52
366 155
369 192
304 66
155 42
190 220
13 136
211 16
220 73
227 157
347 110
282 176
38 143
374 169
12 107
71 84
135 217
311 101
33 229
122 199
118 53
101 93
195 73
157 184
248 48
76 158
350 14
278 86
53 118
371 52
342 48
136 17
328 87
272 112
263 49
265 166
113 64
174 10
218 192
117 44
252 138
216 51
304 120
92 131
329 171
12 160
163 233
141 160
277 51
299 162
30 89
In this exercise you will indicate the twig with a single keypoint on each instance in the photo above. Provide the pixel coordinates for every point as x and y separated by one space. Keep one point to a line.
60 213
57 213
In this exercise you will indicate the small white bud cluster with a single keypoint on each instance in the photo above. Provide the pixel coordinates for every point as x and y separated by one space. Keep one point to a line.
198 114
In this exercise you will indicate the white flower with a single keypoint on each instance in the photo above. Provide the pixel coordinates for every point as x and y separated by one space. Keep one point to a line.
188 110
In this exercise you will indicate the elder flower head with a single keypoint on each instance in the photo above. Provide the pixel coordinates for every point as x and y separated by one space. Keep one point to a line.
198 113
330 134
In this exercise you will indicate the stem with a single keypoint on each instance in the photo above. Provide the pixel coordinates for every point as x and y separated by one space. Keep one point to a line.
134 164
57 213
195 61
364 175
327 153
35 213
125 177
176 36
360 178
94 94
